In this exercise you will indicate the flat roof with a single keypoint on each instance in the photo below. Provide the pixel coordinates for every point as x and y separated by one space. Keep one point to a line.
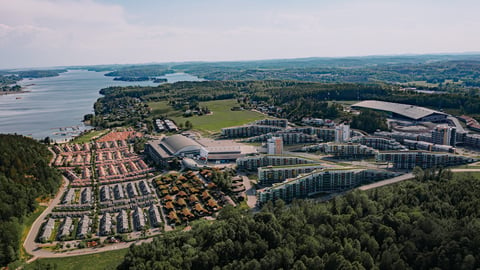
155 144
410 111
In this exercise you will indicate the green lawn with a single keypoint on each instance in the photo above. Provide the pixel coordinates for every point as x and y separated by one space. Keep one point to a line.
102 260
344 102
422 83
221 115
468 174
87 137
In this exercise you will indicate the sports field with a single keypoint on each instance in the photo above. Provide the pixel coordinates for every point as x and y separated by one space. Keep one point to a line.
221 116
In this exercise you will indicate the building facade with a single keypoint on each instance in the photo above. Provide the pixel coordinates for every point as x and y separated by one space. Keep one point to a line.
283 123
320 181
275 146
248 131
443 134
379 143
254 162
274 174
350 150
342 133
411 159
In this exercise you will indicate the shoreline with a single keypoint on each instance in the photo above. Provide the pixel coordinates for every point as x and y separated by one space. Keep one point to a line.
4 93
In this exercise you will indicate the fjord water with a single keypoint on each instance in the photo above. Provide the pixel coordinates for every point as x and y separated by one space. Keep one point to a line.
55 106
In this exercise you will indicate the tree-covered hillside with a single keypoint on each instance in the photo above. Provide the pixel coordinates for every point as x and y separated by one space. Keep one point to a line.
413 225
24 176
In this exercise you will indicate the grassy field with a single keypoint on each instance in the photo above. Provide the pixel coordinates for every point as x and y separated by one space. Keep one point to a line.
345 102
102 260
87 137
422 83
221 115
468 174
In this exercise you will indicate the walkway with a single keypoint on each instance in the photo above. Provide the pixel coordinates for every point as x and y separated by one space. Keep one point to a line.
30 246
250 191
405 177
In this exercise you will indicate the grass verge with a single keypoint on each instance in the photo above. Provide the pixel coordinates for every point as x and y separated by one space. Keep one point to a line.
89 135
222 115
27 225
102 260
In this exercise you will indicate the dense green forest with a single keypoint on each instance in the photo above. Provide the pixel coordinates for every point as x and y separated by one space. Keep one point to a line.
8 79
25 175
296 99
427 224
369 121
140 71
445 74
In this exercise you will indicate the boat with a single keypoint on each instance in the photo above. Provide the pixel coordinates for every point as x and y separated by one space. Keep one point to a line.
18 97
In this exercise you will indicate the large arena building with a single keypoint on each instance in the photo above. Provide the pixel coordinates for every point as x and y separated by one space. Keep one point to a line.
405 111
169 147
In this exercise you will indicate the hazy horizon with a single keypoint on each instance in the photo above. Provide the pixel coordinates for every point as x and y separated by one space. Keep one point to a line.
49 33
247 60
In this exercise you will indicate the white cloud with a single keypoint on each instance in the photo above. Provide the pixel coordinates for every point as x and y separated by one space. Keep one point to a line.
68 32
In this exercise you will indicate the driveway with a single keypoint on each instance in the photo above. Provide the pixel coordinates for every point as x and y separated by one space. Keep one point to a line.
250 191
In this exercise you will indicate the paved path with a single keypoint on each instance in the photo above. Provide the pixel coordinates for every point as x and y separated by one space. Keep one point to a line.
250 191
465 170
30 246
405 177
41 253
457 124
388 181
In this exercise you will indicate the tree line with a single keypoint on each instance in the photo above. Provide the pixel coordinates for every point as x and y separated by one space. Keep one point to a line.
419 224
25 175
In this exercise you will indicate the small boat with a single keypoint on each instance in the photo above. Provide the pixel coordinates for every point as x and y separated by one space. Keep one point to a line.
18 97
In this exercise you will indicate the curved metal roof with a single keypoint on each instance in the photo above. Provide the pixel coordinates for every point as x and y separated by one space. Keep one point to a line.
409 111
178 142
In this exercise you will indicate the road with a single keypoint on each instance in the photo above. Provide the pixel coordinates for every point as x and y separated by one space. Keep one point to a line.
457 123
42 253
405 177
387 182
29 244
250 191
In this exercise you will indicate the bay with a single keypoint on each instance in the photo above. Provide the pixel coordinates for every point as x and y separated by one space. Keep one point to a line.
55 106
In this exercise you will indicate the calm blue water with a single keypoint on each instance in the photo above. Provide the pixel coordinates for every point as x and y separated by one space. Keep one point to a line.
55 106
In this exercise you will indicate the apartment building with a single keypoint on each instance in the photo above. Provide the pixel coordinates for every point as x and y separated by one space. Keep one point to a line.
253 162
348 150
379 143
274 174
411 159
248 131
320 181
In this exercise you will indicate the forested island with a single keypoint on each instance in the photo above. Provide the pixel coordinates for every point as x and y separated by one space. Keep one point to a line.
25 176
140 71
131 79
9 78
140 79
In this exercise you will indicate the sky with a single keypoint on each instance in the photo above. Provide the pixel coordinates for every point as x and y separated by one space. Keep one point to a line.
42 33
